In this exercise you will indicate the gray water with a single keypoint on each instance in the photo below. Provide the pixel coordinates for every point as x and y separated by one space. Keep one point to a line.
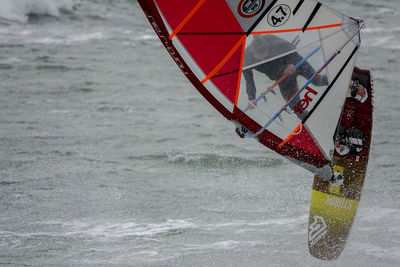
108 155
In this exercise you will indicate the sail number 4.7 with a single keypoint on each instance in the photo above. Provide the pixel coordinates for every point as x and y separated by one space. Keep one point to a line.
279 15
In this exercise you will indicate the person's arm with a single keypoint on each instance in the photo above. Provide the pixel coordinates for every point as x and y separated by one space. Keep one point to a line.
250 88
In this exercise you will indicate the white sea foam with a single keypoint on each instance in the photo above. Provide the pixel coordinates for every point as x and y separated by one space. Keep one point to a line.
376 251
385 42
177 157
19 10
121 229
147 37
126 229
374 30
393 46
376 215
70 38
387 11
289 222
227 244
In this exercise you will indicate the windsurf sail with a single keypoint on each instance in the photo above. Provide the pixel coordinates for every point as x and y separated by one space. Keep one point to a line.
278 69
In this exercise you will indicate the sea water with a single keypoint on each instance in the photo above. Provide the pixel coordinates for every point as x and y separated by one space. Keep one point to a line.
109 156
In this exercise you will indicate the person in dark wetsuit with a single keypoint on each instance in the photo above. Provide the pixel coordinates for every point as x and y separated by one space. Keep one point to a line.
267 46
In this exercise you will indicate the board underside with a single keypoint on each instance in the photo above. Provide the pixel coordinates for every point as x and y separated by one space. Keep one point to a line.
333 208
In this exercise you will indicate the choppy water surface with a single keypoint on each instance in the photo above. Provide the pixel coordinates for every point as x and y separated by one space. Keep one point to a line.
109 156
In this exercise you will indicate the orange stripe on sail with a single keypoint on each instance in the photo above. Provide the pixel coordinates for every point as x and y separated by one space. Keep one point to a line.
240 74
295 132
324 27
299 29
224 60
186 19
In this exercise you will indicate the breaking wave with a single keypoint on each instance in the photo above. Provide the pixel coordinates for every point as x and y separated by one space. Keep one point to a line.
210 160
20 10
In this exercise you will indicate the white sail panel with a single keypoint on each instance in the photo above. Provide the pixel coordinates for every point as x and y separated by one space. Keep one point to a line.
281 17
322 124
309 40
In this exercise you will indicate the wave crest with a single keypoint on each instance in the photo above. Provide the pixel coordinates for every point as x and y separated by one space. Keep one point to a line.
20 10
209 160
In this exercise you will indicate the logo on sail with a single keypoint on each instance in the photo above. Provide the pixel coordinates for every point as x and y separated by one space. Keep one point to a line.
305 102
317 230
250 8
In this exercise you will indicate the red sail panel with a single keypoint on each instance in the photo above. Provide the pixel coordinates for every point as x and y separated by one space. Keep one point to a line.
304 141
272 141
227 78
208 41
209 50
213 16
180 9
